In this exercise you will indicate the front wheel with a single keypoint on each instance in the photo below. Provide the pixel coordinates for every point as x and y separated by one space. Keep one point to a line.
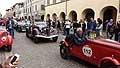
36 40
64 52
54 39
8 48
109 65
27 35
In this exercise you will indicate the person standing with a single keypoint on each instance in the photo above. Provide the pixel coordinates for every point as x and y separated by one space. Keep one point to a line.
10 26
58 26
105 24
110 29
75 26
94 24
67 27
117 31
54 24
91 25
99 27
82 25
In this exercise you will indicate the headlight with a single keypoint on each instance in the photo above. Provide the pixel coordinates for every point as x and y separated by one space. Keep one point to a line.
3 38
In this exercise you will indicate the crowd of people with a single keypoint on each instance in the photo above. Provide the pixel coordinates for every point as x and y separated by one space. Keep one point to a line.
89 25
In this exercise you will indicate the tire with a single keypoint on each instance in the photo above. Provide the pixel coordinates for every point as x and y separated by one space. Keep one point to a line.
27 35
54 39
36 40
8 48
64 52
109 65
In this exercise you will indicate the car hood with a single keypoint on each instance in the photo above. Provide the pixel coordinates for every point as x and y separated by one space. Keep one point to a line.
106 42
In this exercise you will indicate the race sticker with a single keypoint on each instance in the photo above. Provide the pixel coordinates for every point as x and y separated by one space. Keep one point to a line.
87 51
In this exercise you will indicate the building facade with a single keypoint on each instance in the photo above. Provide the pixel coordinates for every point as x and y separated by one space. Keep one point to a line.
34 8
81 9
18 10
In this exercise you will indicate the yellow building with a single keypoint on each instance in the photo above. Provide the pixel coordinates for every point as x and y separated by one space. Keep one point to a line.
77 9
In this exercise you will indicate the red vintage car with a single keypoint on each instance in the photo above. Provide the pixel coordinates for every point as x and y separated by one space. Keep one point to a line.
102 52
6 40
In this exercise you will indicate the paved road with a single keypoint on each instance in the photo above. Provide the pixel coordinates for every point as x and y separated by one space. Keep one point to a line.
42 55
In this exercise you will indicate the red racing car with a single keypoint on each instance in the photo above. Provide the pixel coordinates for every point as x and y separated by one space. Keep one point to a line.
6 40
102 52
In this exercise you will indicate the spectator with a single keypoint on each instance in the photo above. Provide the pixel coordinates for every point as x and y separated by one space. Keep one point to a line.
105 24
67 27
54 24
82 25
75 25
10 26
58 26
99 27
110 29
91 25
94 24
117 31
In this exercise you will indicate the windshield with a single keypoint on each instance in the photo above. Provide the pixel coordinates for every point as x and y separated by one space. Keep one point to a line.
41 23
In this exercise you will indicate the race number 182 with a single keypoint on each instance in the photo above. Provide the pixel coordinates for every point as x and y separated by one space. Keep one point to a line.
87 51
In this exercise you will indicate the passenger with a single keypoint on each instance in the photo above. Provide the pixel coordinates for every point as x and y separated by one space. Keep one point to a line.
79 37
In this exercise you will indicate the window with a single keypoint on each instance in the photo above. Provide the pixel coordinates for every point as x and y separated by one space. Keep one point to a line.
30 10
26 10
54 1
48 2
119 6
42 7
63 0
35 7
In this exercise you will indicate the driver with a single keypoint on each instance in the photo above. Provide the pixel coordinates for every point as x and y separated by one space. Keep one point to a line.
79 37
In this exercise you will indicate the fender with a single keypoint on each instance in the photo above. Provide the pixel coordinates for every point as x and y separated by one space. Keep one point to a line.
66 44
37 31
9 40
110 59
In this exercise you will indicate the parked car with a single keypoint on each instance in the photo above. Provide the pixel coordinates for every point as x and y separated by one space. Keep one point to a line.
21 26
6 40
40 31
101 52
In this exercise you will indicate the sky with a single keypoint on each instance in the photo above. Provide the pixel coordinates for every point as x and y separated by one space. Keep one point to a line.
6 4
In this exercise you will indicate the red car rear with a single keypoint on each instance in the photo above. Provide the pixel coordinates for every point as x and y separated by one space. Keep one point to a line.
104 53
6 40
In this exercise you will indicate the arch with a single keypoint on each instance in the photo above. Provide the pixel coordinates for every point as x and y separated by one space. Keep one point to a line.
54 16
48 16
62 16
107 13
73 15
29 17
87 13
42 17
